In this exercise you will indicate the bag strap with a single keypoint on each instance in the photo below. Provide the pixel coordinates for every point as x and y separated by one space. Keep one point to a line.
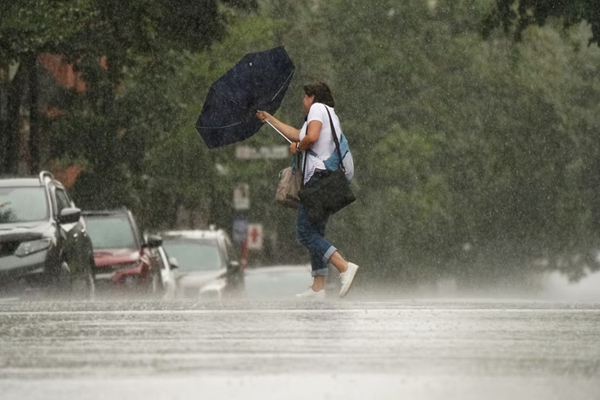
337 147
304 166
335 139
296 161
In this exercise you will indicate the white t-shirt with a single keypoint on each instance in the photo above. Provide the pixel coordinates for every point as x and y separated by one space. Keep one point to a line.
324 147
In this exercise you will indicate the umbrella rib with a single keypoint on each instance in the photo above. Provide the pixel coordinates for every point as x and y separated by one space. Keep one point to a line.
246 108
218 127
225 97
283 85
227 126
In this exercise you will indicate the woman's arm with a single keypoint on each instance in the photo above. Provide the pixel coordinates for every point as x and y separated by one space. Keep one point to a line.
288 131
313 131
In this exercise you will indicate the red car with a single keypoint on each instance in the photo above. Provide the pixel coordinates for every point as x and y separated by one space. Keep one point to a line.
123 259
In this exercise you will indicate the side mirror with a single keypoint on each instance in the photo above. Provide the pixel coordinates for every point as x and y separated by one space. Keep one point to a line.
173 263
154 241
69 215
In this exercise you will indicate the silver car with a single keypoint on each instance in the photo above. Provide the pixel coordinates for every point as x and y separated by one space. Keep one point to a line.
207 264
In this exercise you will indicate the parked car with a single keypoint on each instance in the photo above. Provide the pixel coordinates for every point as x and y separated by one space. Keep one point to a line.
166 284
124 259
43 239
207 264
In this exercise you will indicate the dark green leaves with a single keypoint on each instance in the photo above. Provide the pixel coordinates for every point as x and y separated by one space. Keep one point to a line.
516 15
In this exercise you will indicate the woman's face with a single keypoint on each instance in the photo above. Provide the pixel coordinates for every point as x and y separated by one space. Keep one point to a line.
307 101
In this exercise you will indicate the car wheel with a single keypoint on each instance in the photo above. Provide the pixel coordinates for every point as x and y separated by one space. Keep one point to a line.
157 285
63 280
60 286
84 287
91 286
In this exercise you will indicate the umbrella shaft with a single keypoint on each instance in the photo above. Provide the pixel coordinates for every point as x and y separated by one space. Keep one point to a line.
279 132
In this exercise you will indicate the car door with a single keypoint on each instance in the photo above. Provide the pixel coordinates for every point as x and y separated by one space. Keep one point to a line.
169 275
73 234
85 250
235 275
156 268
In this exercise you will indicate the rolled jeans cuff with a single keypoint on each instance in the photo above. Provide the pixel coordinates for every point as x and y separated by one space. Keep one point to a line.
320 272
328 254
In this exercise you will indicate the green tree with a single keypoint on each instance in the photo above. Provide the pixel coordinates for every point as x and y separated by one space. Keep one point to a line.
102 39
460 143
516 15
28 28
474 157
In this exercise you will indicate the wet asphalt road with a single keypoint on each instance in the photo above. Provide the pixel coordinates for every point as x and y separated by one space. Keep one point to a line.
336 350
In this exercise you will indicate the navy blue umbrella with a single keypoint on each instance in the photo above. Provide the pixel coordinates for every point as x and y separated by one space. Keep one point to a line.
258 81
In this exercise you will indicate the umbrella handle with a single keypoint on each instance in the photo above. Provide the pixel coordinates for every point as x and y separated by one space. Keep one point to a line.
279 132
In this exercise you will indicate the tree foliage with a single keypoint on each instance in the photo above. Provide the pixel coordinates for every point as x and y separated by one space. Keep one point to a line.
473 157
516 15
107 42
459 143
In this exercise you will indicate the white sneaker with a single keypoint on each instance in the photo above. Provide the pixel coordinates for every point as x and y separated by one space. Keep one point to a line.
311 295
348 278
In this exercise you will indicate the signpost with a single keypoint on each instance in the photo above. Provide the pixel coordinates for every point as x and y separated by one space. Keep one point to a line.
241 197
240 228
255 237
266 153
250 236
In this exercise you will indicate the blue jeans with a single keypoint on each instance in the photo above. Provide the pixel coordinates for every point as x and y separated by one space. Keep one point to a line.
312 236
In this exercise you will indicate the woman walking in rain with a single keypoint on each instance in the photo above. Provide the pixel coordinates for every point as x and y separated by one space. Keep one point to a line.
315 141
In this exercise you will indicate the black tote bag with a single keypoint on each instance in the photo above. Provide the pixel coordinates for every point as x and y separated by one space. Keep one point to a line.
331 192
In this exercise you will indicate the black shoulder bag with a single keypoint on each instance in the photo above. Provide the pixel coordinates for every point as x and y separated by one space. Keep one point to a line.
329 194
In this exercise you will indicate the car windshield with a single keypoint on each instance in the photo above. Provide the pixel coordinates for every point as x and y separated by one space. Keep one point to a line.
194 256
23 204
111 232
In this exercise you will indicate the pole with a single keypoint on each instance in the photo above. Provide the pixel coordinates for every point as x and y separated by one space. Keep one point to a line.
245 253
289 141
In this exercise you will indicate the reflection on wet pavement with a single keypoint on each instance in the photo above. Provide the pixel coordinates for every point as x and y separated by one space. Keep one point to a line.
407 347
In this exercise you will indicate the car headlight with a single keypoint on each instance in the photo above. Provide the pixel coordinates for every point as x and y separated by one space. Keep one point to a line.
213 290
34 246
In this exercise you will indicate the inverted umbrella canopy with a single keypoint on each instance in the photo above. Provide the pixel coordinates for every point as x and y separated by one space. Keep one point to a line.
258 81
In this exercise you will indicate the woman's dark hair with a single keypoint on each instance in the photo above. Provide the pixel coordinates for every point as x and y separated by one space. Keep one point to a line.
321 92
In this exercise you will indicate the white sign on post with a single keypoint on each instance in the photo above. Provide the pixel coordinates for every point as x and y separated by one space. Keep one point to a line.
241 197
255 236
262 153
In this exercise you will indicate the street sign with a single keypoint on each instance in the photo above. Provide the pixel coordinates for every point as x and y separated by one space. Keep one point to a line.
255 236
268 153
240 228
241 197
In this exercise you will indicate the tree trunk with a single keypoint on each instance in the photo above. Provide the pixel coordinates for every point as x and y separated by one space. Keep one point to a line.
12 139
3 118
35 140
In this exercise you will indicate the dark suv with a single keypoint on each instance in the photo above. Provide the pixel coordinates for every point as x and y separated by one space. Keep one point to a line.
43 239
124 259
